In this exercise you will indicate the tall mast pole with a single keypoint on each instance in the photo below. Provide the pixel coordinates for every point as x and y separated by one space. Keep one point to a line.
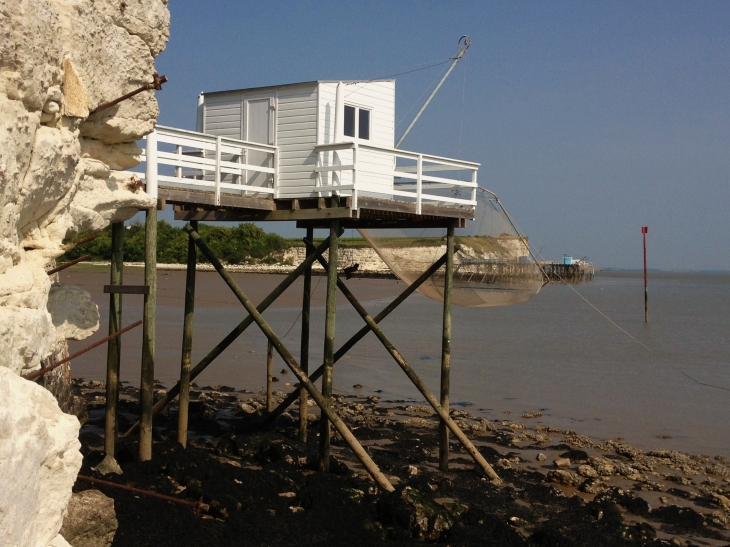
463 45
644 230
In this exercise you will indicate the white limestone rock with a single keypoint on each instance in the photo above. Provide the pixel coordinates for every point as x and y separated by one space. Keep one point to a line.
100 201
74 315
59 60
39 461
24 338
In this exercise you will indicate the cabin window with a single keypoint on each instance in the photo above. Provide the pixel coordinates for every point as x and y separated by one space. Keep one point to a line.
364 125
349 121
357 122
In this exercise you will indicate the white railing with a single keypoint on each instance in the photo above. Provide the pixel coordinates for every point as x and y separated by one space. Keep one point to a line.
207 163
410 182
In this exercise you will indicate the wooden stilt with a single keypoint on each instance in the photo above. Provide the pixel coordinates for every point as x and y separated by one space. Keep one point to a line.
236 332
398 358
187 343
446 350
148 337
329 345
327 411
304 347
269 375
114 347
359 335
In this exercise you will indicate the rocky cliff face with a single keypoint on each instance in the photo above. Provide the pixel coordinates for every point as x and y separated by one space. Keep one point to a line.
60 60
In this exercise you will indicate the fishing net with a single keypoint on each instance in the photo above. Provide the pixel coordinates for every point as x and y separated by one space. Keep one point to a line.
493 265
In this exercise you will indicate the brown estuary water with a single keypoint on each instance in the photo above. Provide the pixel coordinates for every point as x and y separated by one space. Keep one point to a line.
554 354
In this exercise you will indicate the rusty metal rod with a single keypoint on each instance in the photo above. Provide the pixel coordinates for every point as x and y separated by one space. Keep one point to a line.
41 372
196 505
413 377
155 84
359 335
68 264
79 242
235 333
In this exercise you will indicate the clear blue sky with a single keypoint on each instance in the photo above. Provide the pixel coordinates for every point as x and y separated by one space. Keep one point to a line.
590 119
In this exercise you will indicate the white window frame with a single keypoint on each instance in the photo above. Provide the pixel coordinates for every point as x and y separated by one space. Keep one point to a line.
357 108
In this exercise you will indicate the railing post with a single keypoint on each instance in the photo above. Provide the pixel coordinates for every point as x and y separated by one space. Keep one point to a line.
474 190
217 170
178 169
151 165
276 173
354 177
419 183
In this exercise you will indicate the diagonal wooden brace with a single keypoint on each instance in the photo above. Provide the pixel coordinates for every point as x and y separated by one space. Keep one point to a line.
359 335
236 332
304 380
443 414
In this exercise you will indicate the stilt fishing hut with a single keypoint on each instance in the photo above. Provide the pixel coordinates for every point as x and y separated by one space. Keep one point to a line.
320 154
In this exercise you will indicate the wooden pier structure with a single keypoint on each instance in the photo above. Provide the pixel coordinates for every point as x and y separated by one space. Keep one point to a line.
347 183
577 272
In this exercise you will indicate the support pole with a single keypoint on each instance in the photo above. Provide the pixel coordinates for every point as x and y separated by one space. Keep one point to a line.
359 335
269 375
446 350
236 332
147 379
187 343
304 348
644 230
327 410
114 347
403 364
329 345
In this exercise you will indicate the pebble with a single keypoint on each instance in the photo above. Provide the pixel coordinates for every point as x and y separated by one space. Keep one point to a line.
288 495
541 457
562 462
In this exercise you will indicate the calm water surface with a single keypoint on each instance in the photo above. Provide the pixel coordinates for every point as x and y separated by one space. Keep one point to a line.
555 353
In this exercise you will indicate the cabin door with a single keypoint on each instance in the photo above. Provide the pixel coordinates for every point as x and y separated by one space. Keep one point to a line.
259 128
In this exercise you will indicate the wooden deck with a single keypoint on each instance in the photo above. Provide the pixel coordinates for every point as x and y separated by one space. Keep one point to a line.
312 212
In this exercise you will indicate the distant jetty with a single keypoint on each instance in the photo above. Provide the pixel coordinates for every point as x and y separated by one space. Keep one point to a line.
568 270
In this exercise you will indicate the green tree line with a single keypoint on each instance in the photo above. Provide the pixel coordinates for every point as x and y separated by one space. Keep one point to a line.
242 244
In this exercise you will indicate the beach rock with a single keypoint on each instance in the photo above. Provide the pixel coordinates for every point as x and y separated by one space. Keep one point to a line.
587 471
602 466
90 521
562 462
566 478
108 465
39 460
592 486
721 500
410 509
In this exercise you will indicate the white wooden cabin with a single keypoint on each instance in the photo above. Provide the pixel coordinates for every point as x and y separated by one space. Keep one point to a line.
306 140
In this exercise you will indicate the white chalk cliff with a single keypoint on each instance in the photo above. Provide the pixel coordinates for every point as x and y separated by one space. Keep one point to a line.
60 60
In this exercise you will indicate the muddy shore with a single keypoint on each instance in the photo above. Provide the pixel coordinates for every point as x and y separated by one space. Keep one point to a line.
263 488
